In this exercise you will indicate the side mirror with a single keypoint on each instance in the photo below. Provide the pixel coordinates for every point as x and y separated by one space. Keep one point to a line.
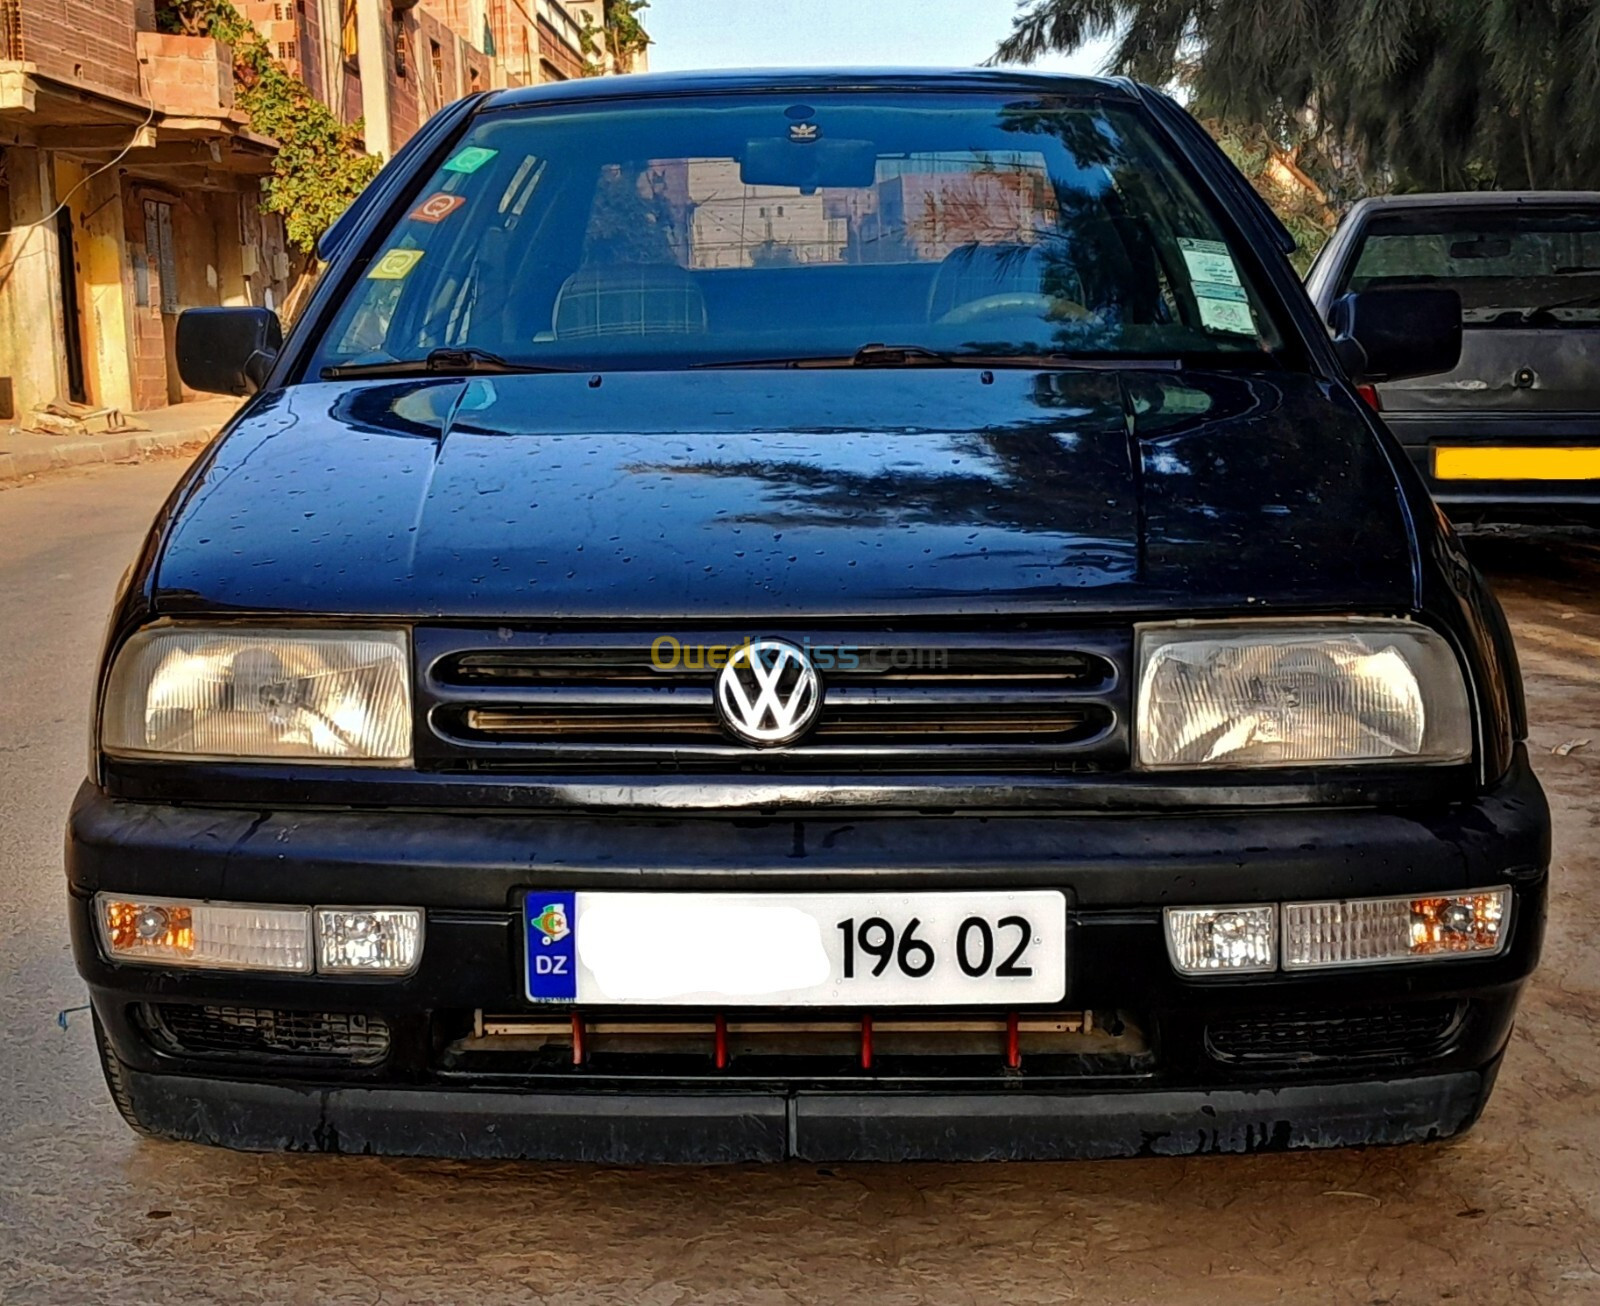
1388 335
227 351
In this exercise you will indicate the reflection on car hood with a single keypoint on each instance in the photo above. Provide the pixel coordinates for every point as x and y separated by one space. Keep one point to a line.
774 494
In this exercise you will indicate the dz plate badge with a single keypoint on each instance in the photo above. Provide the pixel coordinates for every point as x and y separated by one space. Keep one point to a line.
552 950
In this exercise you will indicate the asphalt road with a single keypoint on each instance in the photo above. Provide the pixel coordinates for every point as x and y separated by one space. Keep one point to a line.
90 1214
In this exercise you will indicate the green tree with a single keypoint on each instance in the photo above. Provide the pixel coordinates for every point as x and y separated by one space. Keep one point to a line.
622 35
1276 172
320 166
1420 94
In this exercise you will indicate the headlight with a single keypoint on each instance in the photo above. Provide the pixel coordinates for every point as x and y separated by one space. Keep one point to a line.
259 694
1257 694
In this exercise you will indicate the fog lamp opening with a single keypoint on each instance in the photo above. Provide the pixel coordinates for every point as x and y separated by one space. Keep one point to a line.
368 940
1222 940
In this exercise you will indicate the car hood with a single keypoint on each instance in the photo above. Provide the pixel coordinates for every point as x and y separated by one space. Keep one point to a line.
782 493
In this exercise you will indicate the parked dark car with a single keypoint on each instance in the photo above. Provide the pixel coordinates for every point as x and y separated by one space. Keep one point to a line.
833 615
1511 433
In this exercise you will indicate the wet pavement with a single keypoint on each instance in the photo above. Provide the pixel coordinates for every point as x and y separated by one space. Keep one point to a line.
88 1213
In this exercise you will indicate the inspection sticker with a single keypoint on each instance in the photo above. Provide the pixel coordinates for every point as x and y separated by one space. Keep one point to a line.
396 265
1225 308
1220 294
437 207
470 159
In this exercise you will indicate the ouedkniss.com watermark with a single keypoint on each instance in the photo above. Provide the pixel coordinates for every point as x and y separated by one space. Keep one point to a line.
671 654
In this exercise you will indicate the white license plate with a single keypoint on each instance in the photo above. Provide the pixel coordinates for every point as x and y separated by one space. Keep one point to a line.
797 950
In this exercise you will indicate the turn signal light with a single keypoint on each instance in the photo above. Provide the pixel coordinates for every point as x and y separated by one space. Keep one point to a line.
239 936
1367 930
204 935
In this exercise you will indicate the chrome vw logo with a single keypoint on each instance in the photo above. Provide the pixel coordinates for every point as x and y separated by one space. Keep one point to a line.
768 693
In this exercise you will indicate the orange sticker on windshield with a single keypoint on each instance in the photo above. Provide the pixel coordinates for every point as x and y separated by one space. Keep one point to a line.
437 207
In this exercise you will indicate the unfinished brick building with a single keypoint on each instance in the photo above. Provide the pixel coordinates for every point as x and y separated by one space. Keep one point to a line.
130 182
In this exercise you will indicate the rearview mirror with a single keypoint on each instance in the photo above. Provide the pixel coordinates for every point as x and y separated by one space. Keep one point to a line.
227 351
1388 335
809 164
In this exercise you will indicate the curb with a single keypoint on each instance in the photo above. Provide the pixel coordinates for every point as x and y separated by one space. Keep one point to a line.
22 464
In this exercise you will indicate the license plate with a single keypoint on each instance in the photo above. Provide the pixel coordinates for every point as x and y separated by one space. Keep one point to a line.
797 950
1514 463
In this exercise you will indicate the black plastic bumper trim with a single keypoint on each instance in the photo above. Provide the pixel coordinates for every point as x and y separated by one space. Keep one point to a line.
644 1129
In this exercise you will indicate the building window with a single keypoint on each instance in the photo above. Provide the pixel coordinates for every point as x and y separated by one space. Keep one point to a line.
436 60
349 41
402 47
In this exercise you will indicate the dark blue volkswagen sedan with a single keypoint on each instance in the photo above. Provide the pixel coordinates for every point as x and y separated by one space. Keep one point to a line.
826 615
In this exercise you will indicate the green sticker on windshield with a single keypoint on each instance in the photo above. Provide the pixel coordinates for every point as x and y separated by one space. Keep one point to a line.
470 159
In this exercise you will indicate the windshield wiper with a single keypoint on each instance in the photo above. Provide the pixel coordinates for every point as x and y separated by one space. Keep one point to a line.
1086 362
450 360
1577 301
873 355
881 355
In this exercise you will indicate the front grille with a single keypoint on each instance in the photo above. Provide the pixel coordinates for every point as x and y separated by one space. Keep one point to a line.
924 702
265 1034
1404 1031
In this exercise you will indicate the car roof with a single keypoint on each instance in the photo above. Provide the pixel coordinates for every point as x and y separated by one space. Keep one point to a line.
734 81
1480 199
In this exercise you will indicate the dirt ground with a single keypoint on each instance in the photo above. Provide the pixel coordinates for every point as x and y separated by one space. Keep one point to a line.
88 1213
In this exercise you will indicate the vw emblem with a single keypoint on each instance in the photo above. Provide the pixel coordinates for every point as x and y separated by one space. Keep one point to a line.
768 693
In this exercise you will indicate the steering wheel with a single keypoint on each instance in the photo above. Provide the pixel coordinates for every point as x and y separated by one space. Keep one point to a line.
1014 304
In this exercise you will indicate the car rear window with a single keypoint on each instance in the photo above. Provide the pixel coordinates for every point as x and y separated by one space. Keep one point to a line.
1511 267
673 233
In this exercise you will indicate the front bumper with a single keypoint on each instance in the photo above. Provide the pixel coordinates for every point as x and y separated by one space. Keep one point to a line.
469 871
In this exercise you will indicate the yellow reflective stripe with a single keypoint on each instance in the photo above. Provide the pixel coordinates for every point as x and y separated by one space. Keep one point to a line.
1498 463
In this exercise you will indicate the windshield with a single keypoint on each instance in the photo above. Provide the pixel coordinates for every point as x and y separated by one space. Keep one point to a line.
677 233
1508 266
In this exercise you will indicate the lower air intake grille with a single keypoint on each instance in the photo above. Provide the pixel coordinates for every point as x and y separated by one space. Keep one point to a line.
264 1034
1404 1032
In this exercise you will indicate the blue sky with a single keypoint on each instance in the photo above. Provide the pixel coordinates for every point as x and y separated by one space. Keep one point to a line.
773 33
